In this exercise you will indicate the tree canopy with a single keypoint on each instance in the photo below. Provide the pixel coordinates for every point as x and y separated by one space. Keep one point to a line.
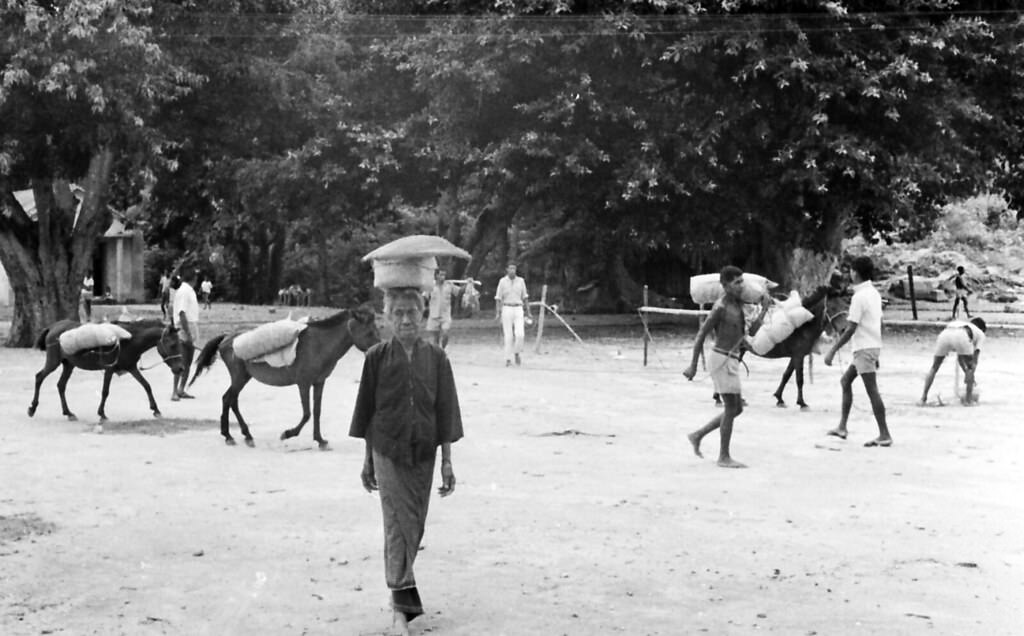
583 139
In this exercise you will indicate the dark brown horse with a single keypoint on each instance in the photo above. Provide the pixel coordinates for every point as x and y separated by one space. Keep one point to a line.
320 347
829 307
122 357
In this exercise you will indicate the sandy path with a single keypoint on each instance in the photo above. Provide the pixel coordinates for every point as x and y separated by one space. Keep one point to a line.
612 528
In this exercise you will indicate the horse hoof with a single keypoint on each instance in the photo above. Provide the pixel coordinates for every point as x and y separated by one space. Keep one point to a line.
780 404
250 443
31 411
804 407
72 418
229 441
157 414
98 429
324 446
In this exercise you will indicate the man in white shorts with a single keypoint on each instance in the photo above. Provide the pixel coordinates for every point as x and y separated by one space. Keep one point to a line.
439 320
965 339
864 329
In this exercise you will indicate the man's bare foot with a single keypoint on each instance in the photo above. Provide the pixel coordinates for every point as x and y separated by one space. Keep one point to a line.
399 625
695 442
729 462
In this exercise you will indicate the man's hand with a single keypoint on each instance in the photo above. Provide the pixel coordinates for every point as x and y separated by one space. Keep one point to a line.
447 479
690 372
369 480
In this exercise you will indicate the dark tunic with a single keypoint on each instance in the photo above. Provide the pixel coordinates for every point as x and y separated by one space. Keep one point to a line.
407 408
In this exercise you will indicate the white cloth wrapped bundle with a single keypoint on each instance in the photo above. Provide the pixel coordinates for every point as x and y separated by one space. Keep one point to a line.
89 335
779 323
267 338
706 288
408 272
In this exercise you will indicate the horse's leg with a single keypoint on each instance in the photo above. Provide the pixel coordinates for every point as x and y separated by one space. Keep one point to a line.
135 373
107 374
239 378
304 396
52 362
318 395
782 385
799 362
62 383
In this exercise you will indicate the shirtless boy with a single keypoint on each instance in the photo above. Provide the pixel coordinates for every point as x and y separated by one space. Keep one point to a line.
727 320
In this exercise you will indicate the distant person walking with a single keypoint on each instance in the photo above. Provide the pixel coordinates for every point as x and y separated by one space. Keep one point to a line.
864 330
185 316
960 291
407 406
511 305
165 292
85 298
206 289
728 321
965 338
439 317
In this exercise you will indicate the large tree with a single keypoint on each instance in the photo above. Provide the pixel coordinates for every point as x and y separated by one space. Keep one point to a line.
79 81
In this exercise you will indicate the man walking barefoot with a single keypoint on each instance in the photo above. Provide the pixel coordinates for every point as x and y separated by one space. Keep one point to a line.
727 320
864 329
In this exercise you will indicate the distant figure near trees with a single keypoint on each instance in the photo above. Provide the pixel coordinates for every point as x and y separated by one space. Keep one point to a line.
960 291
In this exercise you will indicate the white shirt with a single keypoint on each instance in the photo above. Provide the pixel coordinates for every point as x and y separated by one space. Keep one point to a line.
866 311
185 301
206 286
511 292
958 326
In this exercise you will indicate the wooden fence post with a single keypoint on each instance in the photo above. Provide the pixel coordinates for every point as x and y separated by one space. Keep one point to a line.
540 317
910 284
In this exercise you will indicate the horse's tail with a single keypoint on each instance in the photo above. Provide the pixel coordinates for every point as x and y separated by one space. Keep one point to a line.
206 356
41 340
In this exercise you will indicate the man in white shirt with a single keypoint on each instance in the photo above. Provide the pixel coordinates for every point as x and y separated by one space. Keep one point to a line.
206 289
965 338
864 329
510 306
185 315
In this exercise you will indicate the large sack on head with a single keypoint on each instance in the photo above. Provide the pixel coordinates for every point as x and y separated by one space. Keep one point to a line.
266 338
90 335
411 261
407 272
706 288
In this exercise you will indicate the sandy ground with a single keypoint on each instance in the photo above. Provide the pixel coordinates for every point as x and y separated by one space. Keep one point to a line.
579 509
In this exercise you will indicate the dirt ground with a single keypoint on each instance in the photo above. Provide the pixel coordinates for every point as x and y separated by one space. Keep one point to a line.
580 508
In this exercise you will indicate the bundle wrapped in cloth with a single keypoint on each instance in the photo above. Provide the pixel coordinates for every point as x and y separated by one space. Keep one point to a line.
779 323
273 343
707 288
410 261
91 335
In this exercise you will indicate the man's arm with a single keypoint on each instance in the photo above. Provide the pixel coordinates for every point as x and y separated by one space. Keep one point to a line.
698 343
843 339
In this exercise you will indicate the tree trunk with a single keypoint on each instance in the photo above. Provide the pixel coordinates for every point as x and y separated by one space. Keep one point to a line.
47 257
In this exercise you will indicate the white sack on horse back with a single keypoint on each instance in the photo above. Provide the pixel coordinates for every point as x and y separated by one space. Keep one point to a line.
410 261
706 288
795 310
266 338
775 328
90 335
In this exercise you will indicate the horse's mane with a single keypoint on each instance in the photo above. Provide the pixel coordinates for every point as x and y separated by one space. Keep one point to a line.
135 326
819 294
333 320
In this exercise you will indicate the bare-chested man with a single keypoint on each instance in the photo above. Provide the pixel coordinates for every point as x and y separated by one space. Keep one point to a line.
727 320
